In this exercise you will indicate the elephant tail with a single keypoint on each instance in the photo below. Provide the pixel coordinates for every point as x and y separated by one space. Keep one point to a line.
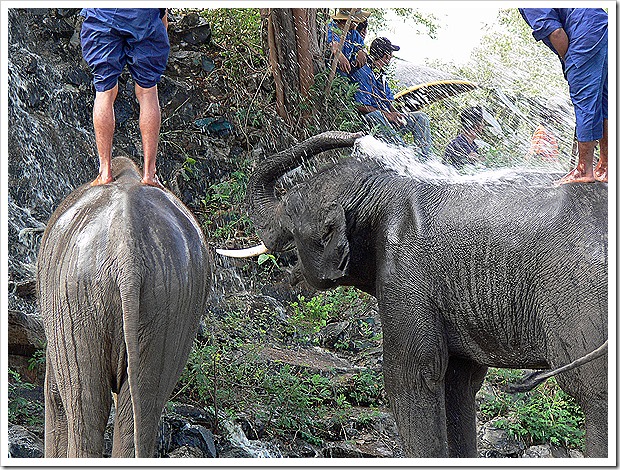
537 377
130 302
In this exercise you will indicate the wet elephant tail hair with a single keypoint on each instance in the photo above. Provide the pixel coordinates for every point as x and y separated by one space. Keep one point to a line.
534 379
130 304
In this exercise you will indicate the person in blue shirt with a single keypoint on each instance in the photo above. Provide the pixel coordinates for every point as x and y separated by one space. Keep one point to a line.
463 149
374 100
579 38
352 56
136 37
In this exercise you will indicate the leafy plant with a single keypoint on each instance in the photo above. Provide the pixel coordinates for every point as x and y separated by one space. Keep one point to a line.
21 410
546 414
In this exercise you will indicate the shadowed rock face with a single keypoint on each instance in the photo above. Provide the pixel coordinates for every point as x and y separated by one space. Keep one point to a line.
51 141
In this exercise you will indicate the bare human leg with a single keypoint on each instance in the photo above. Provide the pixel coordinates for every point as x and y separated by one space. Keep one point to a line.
600 172
584 172
104 124
150 123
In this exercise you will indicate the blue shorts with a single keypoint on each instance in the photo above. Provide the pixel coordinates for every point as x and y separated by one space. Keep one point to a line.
588 92
115 37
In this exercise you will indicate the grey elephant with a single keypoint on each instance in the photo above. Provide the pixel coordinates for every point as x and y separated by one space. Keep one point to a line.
123 278
467 276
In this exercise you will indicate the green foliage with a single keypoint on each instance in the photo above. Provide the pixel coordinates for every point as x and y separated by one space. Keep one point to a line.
546 414
269 260
309 316
336 111
237 32
221 208
228 373
367 388
21 410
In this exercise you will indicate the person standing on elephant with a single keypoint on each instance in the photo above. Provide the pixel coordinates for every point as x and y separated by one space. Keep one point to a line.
579 38
136 37
463 149
374 100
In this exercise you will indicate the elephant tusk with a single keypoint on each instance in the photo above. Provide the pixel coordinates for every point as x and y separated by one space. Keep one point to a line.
245 252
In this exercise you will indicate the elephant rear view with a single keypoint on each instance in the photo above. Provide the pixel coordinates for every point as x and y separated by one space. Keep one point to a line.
123 277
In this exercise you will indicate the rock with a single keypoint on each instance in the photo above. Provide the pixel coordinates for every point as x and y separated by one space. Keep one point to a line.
193 30
313 358
495 442
219 126
26 336
332 333
187 452
24 444
538 452
198 437
58 27
549 451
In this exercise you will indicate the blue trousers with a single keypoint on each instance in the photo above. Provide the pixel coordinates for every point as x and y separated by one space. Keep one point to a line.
588 92
418 123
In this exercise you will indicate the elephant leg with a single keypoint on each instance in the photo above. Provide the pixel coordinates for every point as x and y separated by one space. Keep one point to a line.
55 416
596 428
86 392
415 360
463 380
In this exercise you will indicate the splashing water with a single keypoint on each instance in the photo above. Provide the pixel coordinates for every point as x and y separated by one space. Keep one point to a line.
256 449
405 162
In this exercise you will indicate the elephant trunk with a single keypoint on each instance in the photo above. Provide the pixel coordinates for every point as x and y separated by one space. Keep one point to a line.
266 209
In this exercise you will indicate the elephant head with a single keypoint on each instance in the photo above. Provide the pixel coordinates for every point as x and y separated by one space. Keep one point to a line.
314 221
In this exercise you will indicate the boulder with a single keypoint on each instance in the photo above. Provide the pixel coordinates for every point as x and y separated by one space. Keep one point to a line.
24 444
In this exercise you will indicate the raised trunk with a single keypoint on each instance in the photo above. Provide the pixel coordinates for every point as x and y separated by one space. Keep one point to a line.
266 210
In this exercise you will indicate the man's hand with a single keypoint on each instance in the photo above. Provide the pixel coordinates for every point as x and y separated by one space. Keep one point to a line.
559 40
395 117
343 63
361 58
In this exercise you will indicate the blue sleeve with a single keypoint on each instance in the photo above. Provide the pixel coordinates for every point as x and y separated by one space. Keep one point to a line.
543 21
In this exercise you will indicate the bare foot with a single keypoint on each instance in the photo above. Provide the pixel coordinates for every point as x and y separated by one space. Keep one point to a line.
101 180
577 176
152 181
600 174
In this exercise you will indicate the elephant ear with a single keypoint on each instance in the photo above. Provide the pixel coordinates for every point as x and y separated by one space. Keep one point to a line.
335 256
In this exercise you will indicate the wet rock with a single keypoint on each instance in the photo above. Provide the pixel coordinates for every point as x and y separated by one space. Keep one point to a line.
196 436
218 126
78 77
24 444
58 27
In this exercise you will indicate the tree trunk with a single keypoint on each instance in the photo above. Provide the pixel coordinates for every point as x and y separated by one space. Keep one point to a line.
295 47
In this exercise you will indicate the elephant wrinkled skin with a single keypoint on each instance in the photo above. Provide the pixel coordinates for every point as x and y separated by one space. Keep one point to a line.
468 275
123 277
